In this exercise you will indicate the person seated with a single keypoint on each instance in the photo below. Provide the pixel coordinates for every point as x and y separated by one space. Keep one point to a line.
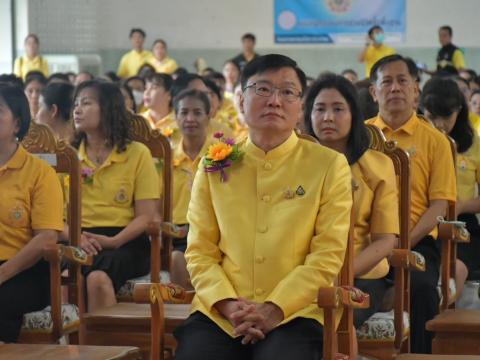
137 86
158 101
444 105
120 192
128 98
34 84
332 115
350 75
191 108
131 62
464 87
244 201
55 108
31 60
222 110
30 217
160 60
475 102
231 72
83 76
395 89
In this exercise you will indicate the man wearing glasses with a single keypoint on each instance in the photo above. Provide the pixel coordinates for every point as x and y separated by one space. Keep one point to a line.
264 238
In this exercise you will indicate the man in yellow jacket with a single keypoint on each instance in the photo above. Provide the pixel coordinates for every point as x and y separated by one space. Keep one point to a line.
269 224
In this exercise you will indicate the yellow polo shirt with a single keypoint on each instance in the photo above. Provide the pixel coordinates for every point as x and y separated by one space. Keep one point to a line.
108 196
184 170
375 204
468 171
132 61
374 54
23 65
275 231
432 169
474 121
30 199
167 65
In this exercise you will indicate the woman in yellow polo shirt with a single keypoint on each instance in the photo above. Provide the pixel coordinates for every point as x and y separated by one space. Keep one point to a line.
444 104
158 101
191 108
32 60
332 115
34 84
120 191
160 59
30 217
55 109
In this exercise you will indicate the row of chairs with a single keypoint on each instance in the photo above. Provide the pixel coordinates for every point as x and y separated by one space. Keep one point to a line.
150 327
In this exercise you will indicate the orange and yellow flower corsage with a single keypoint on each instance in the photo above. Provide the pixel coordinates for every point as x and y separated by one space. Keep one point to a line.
221 155
168 132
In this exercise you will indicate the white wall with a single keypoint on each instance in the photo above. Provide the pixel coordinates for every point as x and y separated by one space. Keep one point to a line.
87 25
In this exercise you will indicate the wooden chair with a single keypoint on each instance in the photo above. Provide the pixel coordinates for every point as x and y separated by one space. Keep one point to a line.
50 324
68 352
160 149
127 323
457 331
385 345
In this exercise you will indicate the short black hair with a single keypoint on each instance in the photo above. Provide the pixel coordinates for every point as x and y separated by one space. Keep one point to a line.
32 36
373 28
11 79
380 64
214 88
194 94
249 36
35 75
182 82
160 79
58 76
138 30
14 97
358 139
271 62
61 95
448 28
160 41
349 71
441 97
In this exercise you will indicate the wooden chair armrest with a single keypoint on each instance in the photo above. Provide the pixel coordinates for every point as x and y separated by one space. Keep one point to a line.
453 230
338 297
174 231
171 293
407 259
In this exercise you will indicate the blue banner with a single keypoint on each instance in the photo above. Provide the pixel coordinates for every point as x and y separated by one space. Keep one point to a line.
337 21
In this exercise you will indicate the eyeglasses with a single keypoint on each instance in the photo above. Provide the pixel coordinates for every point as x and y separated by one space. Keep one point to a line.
289 94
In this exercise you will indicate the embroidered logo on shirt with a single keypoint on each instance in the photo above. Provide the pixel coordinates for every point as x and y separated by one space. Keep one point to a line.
121 197
300 191
16 213
289 194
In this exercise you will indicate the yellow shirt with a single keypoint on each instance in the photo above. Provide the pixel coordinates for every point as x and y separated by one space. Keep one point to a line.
374 54
468 171
432 170
30 199
184 170
375 204
109 194
132 61
24 64
474 121
275 231
458 59
167 65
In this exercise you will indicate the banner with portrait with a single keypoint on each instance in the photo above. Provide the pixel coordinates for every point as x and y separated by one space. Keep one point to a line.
337 21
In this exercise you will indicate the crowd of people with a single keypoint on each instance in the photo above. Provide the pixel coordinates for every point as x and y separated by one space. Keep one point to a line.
248 192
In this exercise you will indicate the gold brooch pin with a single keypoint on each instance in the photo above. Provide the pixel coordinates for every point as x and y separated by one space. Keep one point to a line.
300 191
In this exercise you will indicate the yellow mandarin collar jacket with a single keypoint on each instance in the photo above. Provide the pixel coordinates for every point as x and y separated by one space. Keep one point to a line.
275 231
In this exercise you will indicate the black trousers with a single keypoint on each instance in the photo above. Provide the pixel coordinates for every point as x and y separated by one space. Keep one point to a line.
376 288
469 253
26 292
200 338
424 298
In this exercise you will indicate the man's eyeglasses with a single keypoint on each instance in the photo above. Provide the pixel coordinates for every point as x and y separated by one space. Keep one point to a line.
290 94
